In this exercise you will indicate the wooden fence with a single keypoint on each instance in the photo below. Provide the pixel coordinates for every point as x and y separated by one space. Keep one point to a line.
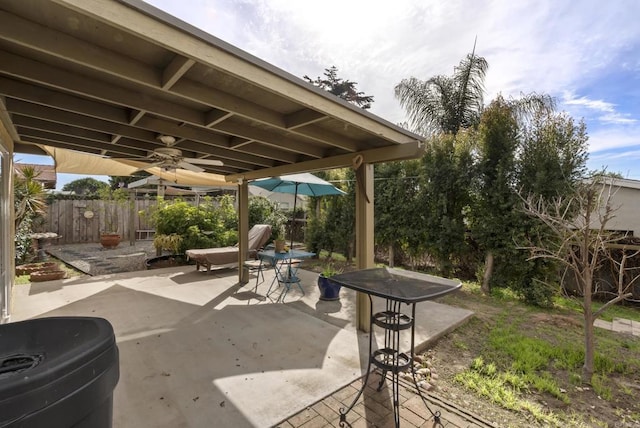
81 221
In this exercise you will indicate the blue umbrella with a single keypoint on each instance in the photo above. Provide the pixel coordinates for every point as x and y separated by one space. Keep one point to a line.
298 184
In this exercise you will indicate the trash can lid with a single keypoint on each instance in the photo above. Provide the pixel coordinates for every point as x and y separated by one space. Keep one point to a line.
45 359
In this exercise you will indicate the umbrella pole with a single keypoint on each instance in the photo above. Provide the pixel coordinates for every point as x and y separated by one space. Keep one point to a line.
293 217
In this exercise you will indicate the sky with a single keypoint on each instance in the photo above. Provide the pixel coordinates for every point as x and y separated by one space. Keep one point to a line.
585 54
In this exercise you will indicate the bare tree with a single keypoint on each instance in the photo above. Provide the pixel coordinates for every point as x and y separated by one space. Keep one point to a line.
578 240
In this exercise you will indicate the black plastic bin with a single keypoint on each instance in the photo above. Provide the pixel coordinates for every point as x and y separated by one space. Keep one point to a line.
58 373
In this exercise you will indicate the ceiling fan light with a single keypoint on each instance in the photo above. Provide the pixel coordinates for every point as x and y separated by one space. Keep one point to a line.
167 139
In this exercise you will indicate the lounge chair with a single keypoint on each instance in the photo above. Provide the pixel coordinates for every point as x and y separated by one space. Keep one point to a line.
228 256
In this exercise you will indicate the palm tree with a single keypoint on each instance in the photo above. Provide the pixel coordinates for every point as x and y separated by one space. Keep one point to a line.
29 195
445 104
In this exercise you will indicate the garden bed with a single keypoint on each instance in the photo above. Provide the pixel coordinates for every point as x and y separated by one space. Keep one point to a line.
29 268
46 275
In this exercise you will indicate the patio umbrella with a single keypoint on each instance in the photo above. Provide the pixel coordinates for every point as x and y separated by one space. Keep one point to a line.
298 184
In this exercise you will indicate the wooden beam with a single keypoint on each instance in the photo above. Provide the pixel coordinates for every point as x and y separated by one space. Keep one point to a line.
29 149
54 77
303 117
63 46
260 156
243 231
39 95
175 70
214 53
382 154
50 76
24 108
23 122
215 116
135 116
237 142
64 103
73 144
221 100
68 48
364 237
8 127
330 138
265 137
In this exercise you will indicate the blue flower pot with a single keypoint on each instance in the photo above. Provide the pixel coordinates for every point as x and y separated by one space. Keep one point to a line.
329 290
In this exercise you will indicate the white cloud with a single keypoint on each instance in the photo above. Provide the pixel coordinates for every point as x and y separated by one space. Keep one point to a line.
546 46
611 138
601 110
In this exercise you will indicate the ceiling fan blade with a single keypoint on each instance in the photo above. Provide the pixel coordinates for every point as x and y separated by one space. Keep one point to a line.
212 162
190 167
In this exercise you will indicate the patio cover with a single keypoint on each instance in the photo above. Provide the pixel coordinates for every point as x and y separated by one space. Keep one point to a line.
109 77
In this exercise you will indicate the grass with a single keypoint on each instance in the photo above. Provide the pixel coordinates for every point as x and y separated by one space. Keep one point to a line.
503 389
574 304
519 357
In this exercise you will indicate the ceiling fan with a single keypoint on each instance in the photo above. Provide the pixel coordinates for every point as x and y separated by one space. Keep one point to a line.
170 158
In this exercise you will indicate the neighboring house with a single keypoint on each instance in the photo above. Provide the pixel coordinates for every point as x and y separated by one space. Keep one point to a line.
625 200
284 200
46 173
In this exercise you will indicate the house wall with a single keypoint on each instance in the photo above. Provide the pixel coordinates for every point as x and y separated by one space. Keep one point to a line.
627 217
625 200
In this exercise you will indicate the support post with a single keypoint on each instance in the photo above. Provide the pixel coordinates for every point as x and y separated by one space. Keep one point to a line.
364 238
243 230
132 217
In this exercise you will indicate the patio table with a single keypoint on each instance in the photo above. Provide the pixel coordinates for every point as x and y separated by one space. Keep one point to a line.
285 266
397 287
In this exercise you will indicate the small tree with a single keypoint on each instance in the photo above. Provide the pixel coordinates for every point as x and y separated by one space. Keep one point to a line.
29 195
345 89
85 186
444 197
29 200
580 242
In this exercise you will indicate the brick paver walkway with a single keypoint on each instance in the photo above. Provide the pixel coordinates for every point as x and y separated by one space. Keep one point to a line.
374 409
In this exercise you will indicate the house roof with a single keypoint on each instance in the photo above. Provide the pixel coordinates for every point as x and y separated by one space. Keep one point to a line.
109 77
626 182
46 173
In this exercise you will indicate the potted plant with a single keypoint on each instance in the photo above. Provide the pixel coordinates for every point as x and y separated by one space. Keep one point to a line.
113 200
278 220
279 241
329 290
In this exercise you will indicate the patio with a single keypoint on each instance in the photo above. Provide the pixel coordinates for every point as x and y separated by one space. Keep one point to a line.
197 349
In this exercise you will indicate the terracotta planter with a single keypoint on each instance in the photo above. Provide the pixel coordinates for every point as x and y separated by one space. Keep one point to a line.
46 275
34 267
110 240
329 290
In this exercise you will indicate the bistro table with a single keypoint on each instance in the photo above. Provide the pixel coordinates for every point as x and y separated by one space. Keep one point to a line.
397 287
285 266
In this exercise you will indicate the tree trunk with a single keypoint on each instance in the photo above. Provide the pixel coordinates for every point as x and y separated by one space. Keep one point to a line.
391 255
488 271
589 334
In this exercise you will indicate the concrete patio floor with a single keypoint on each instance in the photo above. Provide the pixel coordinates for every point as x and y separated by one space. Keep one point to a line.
199 350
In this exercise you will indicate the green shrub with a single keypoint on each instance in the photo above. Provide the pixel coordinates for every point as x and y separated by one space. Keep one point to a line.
23 242
211 224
